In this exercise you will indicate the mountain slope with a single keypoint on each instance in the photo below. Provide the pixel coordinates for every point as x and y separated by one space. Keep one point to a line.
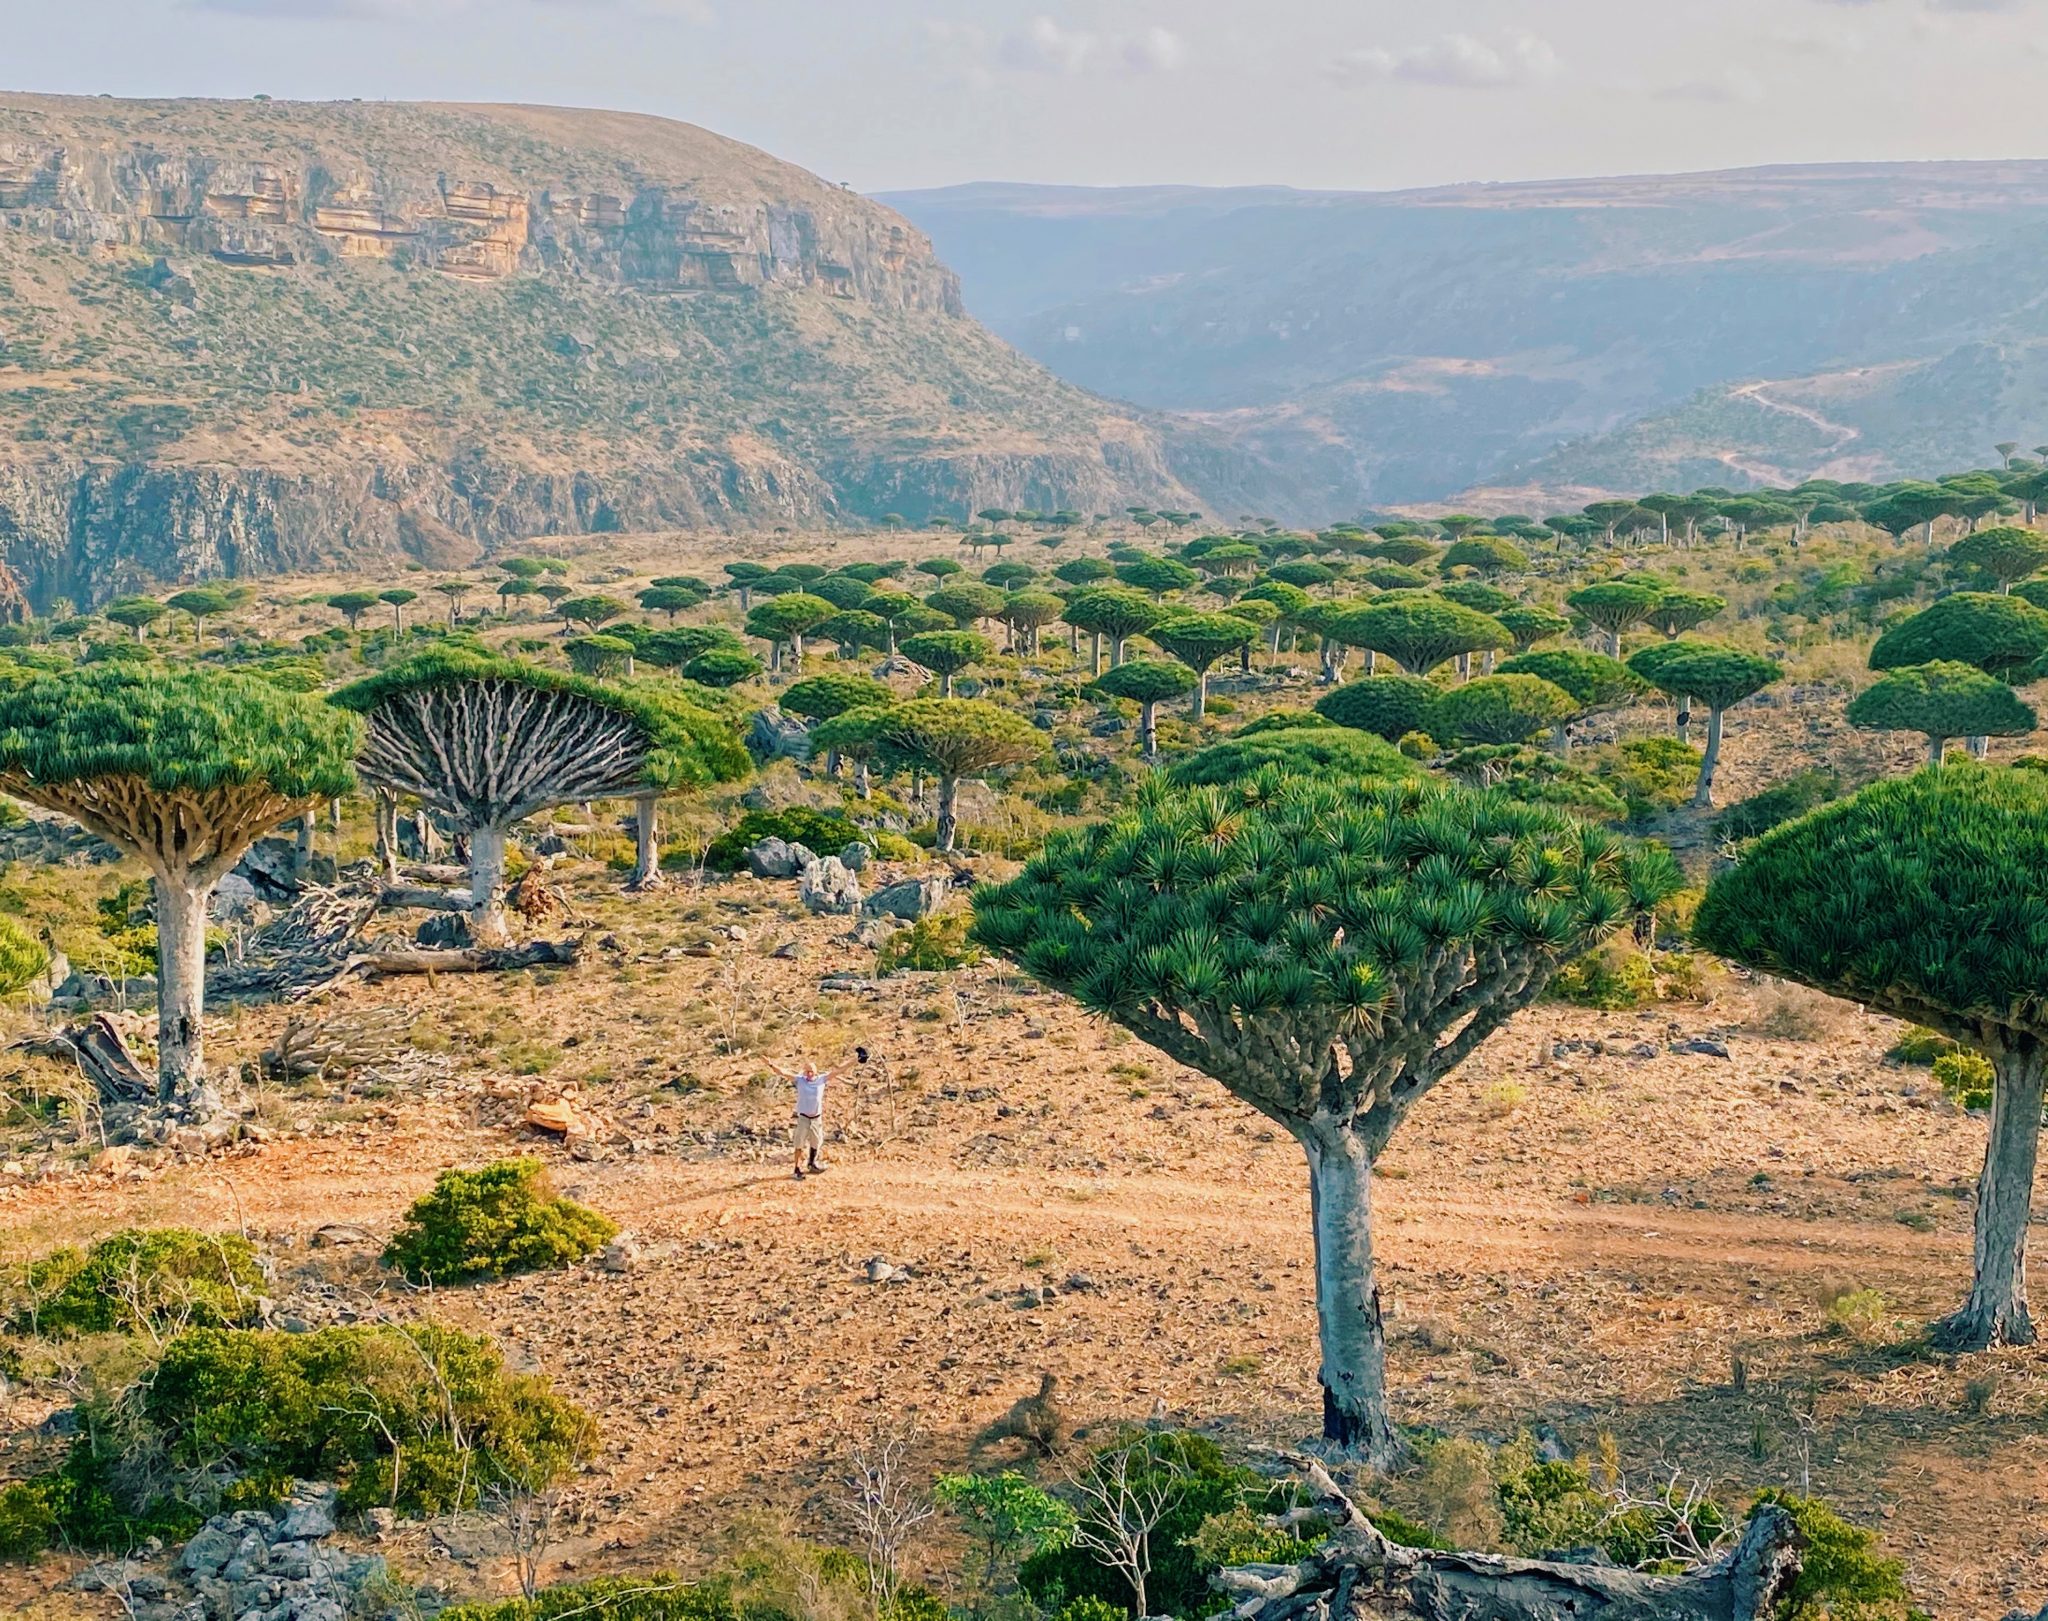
1370 349
240 336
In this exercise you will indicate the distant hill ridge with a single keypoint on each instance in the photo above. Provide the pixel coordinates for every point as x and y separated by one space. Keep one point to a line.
1370 349
247 336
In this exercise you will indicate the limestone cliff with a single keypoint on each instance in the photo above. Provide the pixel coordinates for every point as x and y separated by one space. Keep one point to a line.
243 337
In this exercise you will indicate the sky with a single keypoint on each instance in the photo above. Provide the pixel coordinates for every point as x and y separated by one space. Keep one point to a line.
1353 94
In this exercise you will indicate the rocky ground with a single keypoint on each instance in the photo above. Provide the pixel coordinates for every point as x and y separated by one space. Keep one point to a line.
1602 1224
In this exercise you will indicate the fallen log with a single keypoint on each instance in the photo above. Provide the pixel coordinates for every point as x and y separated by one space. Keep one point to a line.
102 1057
470 960
426 900
1358 1574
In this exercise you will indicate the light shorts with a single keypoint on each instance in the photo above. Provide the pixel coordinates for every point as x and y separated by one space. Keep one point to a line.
807 1133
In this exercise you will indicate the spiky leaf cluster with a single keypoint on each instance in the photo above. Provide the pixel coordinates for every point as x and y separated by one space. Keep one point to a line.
1925 897
1500 709
1388 706
1418 632
1337 753
1318 946
1942 700
176 763
1993 632
820 697
2006 552
1594 679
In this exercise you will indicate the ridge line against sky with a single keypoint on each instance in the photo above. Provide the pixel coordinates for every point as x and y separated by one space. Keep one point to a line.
1320 95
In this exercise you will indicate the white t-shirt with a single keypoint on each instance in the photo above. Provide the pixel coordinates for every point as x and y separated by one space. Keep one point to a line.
810 1093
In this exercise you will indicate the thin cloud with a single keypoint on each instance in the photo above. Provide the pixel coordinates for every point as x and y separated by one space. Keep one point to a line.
1453 61
1048 47
1044 46
1735 87
698 12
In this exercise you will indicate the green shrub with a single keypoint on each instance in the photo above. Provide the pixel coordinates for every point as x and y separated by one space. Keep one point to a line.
1966 1078
485 1223
1780 802
1399 1528
1056 1578
1614 978
156 1280
418 1417
1090 1608
930 945
1919 1045
1841 1577
23 958
656 1596
1418 746
822 831
1652 774
1548 1507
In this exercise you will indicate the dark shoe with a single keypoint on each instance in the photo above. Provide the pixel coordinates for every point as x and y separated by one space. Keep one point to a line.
816 1167
798 1174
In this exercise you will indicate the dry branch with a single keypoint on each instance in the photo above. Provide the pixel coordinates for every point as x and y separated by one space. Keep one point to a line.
102 1057
1358 1575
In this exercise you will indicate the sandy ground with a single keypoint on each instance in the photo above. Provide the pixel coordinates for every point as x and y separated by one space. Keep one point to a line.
1586 1238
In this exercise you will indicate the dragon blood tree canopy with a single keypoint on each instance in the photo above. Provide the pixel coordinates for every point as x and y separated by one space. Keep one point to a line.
491 741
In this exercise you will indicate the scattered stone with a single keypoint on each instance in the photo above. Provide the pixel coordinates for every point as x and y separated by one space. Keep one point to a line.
1080 1283
1701 1046
337 1233
445 930
311 1511
829 888
772 735
881 1271
788 951
855 856
774 858
910 900
622 1254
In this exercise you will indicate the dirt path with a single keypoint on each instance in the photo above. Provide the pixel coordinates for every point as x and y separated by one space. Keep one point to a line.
1583 1228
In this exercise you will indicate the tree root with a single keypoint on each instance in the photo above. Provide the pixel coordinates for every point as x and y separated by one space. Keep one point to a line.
1358 1575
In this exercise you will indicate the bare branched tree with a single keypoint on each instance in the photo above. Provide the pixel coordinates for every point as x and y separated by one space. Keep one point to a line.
888 1502
1123 1493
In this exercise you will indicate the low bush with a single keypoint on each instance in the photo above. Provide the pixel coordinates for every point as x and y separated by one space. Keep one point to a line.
1781 802
930 945
1613 978
823 832
656 1596
1651 774
1057 1577
1841 1577
1966 1079
1920 1045
418 1418
1550 1507
154 1280
486 1223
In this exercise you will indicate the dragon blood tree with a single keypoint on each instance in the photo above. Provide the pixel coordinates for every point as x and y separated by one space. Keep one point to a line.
490 741
1327 949
185 769
1926 898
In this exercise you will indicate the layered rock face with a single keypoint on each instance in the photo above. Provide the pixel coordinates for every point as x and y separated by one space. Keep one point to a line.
249 337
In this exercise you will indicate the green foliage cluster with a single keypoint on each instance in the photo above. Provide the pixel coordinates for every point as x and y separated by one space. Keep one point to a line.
1334 752
1208 1486
1553 1507
417 1417
930 945
1841 1577
499 1219
142 1280
826 832
1966 1079
1651 774
1921 896
1780 803
24 959
177 729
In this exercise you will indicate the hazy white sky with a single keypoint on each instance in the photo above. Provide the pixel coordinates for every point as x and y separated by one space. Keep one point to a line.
1325 93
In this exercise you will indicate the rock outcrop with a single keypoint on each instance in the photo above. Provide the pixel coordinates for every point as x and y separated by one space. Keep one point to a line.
280 336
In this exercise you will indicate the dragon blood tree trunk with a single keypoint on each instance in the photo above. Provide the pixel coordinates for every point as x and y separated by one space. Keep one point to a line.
1996 1312
181 905
1353 1342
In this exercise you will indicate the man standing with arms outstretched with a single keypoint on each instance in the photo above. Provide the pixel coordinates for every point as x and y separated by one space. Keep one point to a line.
807 1133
